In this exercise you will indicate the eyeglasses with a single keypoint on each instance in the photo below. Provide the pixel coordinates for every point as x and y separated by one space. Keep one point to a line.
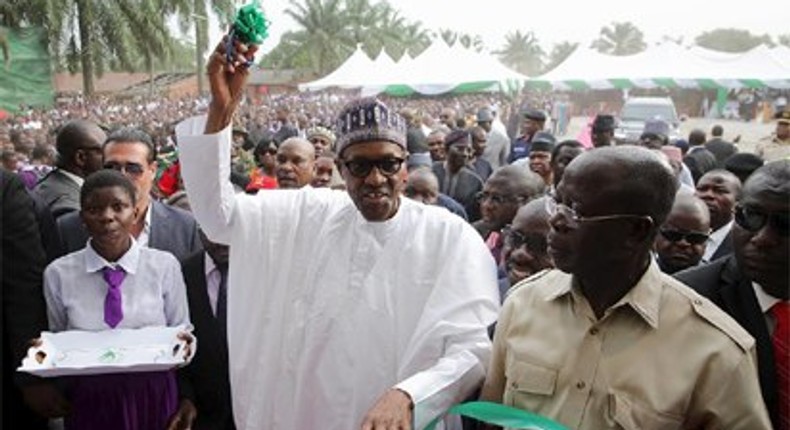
361 167
536 243
133 169
692 237
754 220
497 199
553 207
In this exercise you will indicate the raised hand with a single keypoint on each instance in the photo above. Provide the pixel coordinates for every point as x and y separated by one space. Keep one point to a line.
227 80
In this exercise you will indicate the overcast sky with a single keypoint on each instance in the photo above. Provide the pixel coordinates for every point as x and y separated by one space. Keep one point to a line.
555 21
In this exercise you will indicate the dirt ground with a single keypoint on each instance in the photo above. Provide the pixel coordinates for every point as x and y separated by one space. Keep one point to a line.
750 132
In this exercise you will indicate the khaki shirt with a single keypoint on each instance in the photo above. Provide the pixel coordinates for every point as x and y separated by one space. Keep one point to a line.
663 357
774 150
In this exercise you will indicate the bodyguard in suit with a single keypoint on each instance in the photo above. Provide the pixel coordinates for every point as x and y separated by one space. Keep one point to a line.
753 284
207 382
720 148
158 226
79 154
720 190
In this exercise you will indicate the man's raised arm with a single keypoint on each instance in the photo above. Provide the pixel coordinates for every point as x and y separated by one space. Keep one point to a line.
205 142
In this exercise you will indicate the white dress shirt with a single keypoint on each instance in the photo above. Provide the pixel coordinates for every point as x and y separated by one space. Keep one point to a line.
327 311
213 279
766 302
145 233
152 293
715 239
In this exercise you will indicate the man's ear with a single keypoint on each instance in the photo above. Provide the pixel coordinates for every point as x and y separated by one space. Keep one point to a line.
641 230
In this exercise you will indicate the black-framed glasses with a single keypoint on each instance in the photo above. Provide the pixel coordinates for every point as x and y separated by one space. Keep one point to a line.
361 167
133 169
753 219
536 243
554 207
497 199
692 237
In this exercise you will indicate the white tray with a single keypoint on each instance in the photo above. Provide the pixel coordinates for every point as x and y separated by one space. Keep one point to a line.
113 351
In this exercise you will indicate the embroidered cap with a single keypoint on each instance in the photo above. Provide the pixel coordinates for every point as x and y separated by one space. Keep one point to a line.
369 119
319 131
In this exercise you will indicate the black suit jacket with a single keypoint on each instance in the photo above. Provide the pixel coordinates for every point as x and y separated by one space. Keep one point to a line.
467 186
172 229
700 160
22 309
723 283
206 381
724 249
59 192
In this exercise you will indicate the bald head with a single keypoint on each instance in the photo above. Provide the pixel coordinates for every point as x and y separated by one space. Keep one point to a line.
518 181
690 205
772 178
634 180
76 135
422 186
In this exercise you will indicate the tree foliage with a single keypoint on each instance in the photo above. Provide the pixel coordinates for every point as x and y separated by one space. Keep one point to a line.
731 40
559 53
522 52
620 38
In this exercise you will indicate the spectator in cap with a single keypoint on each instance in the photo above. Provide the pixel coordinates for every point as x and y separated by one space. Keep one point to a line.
540 156
603 130
480 165
778 148
680 241
698 159
655 134
322 139
743 164
534 121
340 282
498 144
456 179
423 186
719 147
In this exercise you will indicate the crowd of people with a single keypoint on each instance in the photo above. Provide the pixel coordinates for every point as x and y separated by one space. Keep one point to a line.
367 263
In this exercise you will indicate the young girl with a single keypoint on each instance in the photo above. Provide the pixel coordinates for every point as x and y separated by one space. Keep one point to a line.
115 283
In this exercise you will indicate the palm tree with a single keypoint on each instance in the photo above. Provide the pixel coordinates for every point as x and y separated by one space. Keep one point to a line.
522 52
620 38
324 33
193 14
559 53
414 39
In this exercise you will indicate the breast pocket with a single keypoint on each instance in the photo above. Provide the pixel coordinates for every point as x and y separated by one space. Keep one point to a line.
628 414
529 385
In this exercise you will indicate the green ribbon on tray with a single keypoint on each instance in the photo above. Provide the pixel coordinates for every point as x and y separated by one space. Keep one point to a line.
500 415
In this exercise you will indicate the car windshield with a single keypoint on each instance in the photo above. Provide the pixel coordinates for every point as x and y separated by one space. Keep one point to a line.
640 112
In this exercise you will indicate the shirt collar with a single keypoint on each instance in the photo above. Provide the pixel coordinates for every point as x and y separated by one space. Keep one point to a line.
644 297
765 300
209 265
147 222
719 235
79 180
129 261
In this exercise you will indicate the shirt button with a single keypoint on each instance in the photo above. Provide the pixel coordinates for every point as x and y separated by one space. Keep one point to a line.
580 385
698 302
594 331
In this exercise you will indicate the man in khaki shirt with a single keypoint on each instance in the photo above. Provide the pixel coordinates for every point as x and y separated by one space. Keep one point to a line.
778 148
610 341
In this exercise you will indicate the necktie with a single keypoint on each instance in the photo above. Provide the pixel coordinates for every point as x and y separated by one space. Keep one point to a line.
781 344
113 310
222 298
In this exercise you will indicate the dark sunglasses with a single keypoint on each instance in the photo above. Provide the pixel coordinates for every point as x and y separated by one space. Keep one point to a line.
692 237
361 167
753 220
535 243
496 199
134 169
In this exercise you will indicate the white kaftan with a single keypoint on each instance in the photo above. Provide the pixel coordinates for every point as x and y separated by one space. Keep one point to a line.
327 311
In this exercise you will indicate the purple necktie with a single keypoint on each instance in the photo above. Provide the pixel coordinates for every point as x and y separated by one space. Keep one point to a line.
113 311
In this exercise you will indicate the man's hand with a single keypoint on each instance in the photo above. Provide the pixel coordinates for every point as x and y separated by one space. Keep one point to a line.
45 400
188 338
184 416
393 411
227 80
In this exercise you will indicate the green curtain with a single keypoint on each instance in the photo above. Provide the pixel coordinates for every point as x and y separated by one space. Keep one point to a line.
25 74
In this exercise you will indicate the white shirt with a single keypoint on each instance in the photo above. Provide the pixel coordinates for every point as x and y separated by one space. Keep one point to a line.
327 311
152 293
213 279
766 302
497 148
715 239
145 233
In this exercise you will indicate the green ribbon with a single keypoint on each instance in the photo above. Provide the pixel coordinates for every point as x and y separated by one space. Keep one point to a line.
500 415
251 26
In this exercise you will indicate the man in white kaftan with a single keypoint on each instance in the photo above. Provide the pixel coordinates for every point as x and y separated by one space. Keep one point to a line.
329 310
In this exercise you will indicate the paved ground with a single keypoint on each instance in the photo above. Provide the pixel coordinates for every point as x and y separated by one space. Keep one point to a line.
750 132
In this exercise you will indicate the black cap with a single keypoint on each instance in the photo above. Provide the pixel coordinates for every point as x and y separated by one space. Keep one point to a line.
603 122
543 141
458 136
535 115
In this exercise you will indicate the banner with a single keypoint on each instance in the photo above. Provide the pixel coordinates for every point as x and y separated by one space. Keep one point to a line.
25 74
